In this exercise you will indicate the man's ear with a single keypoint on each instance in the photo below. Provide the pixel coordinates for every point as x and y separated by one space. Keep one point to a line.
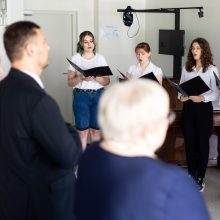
29 49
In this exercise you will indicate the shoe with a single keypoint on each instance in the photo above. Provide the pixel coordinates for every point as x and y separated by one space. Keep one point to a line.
201 184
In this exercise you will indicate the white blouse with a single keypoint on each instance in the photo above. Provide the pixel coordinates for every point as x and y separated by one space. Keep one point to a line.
208 77
96 61
135 72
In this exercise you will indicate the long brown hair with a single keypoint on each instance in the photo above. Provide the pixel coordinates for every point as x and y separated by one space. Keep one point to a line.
80 48
206 55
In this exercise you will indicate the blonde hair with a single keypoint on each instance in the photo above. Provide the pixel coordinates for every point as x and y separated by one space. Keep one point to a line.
126 109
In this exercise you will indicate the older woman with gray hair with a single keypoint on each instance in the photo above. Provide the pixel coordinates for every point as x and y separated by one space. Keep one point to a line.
121 178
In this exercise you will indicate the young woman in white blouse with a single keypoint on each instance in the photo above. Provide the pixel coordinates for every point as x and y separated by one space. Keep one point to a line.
87 90
197 113
144 65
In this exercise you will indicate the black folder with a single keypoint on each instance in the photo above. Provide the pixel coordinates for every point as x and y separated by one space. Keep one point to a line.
217 80
193 87
123 75
96 71
150 76
146 76
176 87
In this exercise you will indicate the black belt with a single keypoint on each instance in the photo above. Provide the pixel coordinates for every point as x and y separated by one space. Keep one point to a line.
88 90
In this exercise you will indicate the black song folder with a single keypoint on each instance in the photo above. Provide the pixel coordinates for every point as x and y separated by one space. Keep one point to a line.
123 75
96 71
217 80
150 76
176 87
193 87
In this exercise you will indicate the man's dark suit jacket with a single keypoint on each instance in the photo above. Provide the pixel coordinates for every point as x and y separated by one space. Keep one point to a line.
37 153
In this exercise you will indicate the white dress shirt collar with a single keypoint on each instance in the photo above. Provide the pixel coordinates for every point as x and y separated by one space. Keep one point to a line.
35 77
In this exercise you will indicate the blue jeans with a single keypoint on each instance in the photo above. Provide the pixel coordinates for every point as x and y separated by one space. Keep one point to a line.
85 108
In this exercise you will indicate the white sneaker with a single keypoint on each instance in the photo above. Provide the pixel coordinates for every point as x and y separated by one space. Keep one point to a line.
201 185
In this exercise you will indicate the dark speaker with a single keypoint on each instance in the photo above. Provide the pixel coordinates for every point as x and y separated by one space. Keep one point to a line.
172 42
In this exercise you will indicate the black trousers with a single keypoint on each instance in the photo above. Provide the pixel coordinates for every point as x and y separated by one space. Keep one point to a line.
197 124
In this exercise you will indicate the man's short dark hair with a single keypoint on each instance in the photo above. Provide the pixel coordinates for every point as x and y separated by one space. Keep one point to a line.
16 36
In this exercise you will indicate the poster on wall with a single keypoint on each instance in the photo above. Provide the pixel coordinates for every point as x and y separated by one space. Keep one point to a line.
110 32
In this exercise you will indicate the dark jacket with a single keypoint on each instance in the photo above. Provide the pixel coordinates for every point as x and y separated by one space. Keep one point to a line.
37 153
114 187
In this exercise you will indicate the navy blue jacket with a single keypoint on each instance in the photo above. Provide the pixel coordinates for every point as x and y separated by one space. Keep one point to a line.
112 187
37 153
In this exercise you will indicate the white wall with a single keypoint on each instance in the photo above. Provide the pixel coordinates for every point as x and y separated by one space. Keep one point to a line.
85 10
194 26
99 15
119 48
15 12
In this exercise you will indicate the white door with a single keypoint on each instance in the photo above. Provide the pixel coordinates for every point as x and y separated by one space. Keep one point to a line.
60 31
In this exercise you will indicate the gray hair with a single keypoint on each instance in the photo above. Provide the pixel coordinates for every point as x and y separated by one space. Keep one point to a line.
127 108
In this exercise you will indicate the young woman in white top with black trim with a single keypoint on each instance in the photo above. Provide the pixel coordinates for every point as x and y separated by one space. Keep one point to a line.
87 90
197 113
144 65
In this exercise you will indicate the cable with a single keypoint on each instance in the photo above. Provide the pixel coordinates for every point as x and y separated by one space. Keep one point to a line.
135 34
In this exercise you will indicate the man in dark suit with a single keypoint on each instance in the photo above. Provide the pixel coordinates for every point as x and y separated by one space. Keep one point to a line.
37 150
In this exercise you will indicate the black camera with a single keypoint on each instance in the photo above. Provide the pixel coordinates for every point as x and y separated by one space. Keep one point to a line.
201 13
128 16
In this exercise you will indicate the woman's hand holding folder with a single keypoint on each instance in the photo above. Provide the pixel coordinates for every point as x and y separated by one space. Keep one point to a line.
184 98
196 99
